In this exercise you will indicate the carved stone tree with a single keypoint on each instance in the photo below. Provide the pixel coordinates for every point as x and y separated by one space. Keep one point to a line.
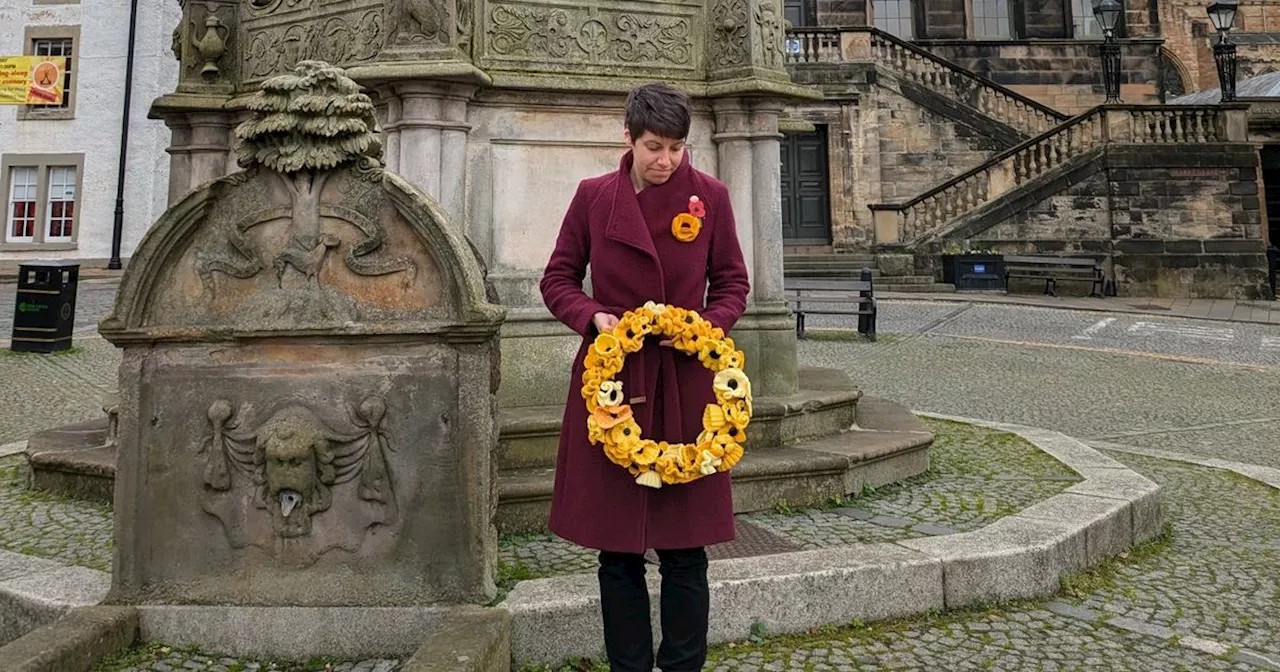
308 386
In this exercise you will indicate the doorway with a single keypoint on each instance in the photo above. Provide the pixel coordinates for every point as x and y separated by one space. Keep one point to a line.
806 209
1270 156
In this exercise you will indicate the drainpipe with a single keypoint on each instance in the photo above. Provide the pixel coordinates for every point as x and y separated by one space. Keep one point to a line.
117 229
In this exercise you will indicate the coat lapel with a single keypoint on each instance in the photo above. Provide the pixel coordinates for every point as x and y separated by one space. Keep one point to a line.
626 222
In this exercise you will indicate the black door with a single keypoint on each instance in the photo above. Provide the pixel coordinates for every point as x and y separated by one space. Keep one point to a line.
806 213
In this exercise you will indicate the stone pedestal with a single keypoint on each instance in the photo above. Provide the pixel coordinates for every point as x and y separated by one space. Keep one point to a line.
308 385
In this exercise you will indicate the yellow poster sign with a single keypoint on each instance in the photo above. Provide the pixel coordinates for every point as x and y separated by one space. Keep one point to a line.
31 80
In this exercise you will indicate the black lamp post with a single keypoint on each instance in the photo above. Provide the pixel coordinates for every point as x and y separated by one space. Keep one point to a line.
1223 16
1107 12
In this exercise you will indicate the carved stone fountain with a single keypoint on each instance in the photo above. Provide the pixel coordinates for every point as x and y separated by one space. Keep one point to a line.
308 388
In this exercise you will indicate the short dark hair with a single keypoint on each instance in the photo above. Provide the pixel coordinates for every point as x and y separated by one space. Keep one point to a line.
658 108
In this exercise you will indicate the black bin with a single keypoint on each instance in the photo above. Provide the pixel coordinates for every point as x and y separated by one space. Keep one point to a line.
45 311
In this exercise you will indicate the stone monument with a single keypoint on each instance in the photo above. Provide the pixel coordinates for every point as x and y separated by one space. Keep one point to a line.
307 409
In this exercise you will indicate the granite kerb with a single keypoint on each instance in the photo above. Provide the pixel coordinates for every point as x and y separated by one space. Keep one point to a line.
1022 555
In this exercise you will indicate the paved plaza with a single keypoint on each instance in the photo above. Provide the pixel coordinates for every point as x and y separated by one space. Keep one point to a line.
1205 596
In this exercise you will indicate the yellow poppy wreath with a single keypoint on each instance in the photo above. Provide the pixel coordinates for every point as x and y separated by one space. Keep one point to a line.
610 421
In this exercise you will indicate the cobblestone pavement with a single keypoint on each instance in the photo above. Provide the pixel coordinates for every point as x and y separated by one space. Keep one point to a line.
160 658
49 526
977 476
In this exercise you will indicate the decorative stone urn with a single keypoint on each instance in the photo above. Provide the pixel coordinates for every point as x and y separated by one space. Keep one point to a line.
308 386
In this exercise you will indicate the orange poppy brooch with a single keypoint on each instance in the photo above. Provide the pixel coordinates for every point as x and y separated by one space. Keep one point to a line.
686 225
611 423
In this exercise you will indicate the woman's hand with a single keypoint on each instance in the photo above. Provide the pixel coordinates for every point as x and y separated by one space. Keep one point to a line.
604 322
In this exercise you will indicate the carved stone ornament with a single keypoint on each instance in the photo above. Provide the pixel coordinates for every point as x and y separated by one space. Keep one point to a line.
582 36
289 465
211 43
343 39
728 48
411 22
769 48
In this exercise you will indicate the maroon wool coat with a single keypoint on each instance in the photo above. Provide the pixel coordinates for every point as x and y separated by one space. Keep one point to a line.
626 238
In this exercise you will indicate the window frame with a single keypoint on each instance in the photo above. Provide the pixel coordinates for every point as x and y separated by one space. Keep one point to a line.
30 35
1011 22
43 163
913 20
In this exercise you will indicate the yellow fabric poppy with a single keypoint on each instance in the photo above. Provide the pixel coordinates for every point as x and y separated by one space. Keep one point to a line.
685 227
735 413
714 354
610 393
606 345
625 434
612 416
645 453
731 384
618 455
632 332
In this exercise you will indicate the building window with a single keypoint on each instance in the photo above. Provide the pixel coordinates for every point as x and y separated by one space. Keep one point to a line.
893 17
56 47
55 41
41 200
22 205
992 19
1083 23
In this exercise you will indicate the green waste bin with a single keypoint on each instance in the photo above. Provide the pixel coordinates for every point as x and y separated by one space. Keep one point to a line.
44 314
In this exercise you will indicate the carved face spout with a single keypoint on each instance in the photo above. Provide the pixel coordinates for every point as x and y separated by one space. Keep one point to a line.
297 465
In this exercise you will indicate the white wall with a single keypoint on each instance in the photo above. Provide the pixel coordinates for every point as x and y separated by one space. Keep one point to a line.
95 130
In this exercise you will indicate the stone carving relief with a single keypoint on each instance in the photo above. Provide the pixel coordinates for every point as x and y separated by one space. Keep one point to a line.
412 22
268 6
342 40
211 42
772 34
466 16
311 128
582 36
288 467
729 46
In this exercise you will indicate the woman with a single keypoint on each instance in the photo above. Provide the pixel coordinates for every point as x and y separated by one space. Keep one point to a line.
621 224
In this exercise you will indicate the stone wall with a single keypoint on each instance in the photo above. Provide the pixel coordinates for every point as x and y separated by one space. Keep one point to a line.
1168 221
1063 74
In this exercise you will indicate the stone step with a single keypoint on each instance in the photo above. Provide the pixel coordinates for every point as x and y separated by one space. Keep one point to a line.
793 266
906 279
850 273
828 257
887 445
826 404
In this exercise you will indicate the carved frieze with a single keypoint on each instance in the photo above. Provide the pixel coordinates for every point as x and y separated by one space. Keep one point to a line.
418 22
772 34
591 35
728 46
278 39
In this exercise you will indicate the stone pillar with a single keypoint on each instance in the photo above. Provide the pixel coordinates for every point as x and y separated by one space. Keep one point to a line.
199 150
747 138
427 126
733 144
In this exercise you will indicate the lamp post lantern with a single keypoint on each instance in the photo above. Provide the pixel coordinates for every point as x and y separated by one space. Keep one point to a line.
1223 16
1107 13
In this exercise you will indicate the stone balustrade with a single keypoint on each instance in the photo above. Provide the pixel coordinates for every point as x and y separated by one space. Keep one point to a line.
917 65
912 221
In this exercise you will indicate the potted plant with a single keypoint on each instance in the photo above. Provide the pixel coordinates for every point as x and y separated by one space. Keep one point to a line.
973 268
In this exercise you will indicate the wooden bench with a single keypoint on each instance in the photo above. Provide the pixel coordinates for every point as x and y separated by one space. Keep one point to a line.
1051 269
833 297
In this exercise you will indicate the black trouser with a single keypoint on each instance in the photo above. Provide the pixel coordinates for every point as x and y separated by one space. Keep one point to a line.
685 607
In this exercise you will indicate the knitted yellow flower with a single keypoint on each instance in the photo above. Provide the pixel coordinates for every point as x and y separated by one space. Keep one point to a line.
611 422
685 227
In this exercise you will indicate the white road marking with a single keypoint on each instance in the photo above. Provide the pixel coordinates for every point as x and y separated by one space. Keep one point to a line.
1187 331
1271 342
1088 333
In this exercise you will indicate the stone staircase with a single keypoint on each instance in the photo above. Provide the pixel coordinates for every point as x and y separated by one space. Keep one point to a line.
968 204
